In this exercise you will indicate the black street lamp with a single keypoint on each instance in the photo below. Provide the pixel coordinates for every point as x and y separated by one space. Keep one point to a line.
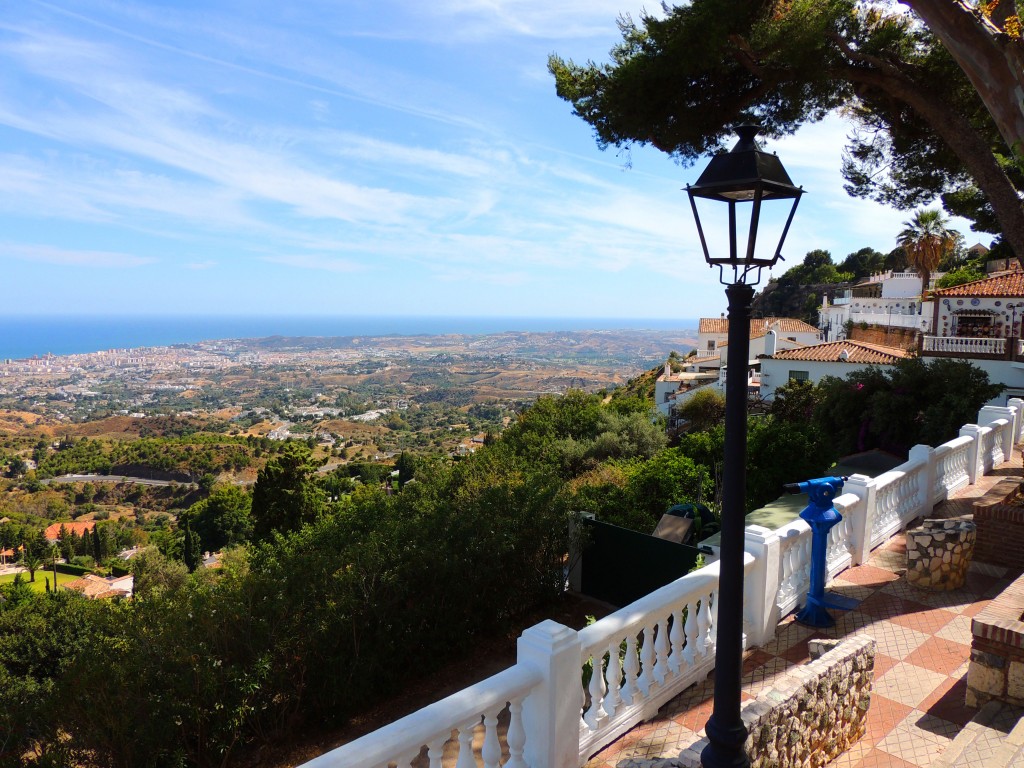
749 182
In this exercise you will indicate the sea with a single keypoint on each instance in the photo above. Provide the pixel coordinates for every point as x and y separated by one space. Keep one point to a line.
24 337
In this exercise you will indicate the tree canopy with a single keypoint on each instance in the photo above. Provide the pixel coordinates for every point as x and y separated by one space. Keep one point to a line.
927 239
680 82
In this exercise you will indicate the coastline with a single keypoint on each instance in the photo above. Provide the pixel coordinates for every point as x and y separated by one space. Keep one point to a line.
26 337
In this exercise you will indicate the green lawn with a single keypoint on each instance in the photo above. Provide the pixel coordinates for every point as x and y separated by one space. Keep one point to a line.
41 576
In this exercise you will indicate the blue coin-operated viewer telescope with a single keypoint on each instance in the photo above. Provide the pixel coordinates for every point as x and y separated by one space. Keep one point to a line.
821 515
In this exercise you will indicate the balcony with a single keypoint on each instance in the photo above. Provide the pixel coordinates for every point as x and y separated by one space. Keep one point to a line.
965 346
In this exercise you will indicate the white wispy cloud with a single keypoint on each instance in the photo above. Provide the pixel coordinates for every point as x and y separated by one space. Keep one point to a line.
315 262
535 18
73 258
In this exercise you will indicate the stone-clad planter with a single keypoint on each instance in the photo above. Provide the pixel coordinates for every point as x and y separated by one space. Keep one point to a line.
939 552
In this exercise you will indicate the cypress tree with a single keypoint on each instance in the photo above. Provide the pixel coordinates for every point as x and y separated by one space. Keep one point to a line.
193 552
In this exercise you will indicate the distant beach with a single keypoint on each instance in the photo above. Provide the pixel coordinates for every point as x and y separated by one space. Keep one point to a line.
25 337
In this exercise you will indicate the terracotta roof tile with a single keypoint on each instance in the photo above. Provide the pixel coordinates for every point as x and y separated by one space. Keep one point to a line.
856 352
98 588
1008 284
759 326
53 531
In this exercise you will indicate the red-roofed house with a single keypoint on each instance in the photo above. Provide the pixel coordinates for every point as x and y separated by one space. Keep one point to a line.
99 588
80 528
834 358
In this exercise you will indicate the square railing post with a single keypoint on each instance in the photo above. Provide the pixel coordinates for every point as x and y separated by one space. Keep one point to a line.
926 454
973 451
761 584
551 713
1018 417
863 487
992 413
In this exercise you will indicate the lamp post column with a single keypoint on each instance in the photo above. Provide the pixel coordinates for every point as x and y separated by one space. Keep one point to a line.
726 733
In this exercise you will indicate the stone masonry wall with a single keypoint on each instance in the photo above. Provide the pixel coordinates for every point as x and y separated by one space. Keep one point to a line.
817 711
996 670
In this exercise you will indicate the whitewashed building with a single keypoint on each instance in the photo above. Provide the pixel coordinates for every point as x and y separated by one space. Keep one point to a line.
707 366
832 358
981 322
890 299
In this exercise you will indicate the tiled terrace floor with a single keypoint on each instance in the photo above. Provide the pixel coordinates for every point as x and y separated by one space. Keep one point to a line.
923 647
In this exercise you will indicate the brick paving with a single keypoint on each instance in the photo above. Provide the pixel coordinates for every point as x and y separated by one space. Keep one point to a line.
923 647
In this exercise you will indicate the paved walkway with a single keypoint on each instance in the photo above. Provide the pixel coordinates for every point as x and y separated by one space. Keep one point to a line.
923 647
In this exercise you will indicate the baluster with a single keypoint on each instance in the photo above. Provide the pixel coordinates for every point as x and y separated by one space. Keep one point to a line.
516 736
712 611
491 750
647 660
661 651
789 570
466 759
613 680
596 713
405 761
676 638
631 667
703 627
690 631
435 751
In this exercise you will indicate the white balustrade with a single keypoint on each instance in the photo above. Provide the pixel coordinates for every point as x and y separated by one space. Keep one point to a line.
646 653
839 552
471 709
988 445
899 497
951 468
795 539
964 345
649 651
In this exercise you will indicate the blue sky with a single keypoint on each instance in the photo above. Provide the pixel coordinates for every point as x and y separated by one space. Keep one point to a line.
349 157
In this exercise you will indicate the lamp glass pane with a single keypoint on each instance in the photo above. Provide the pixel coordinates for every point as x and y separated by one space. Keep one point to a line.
714 219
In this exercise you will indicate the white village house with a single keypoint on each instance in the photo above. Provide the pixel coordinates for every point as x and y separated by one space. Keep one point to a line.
833 358
707 366
981 322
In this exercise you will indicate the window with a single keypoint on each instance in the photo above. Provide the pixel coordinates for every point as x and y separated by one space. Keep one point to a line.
711 345
799 375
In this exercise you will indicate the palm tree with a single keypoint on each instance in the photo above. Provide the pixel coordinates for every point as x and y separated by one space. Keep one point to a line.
927 239
31 561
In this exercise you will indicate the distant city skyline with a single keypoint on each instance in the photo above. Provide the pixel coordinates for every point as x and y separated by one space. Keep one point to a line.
356 158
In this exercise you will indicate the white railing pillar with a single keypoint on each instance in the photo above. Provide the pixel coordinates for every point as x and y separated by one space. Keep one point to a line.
761 584
551 713
1018 416
926 454
972 431
863 487
992 413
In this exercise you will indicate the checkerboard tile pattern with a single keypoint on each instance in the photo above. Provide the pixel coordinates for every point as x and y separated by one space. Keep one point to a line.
917 707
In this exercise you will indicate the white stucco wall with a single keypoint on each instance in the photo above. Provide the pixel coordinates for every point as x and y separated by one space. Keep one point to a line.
775 373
